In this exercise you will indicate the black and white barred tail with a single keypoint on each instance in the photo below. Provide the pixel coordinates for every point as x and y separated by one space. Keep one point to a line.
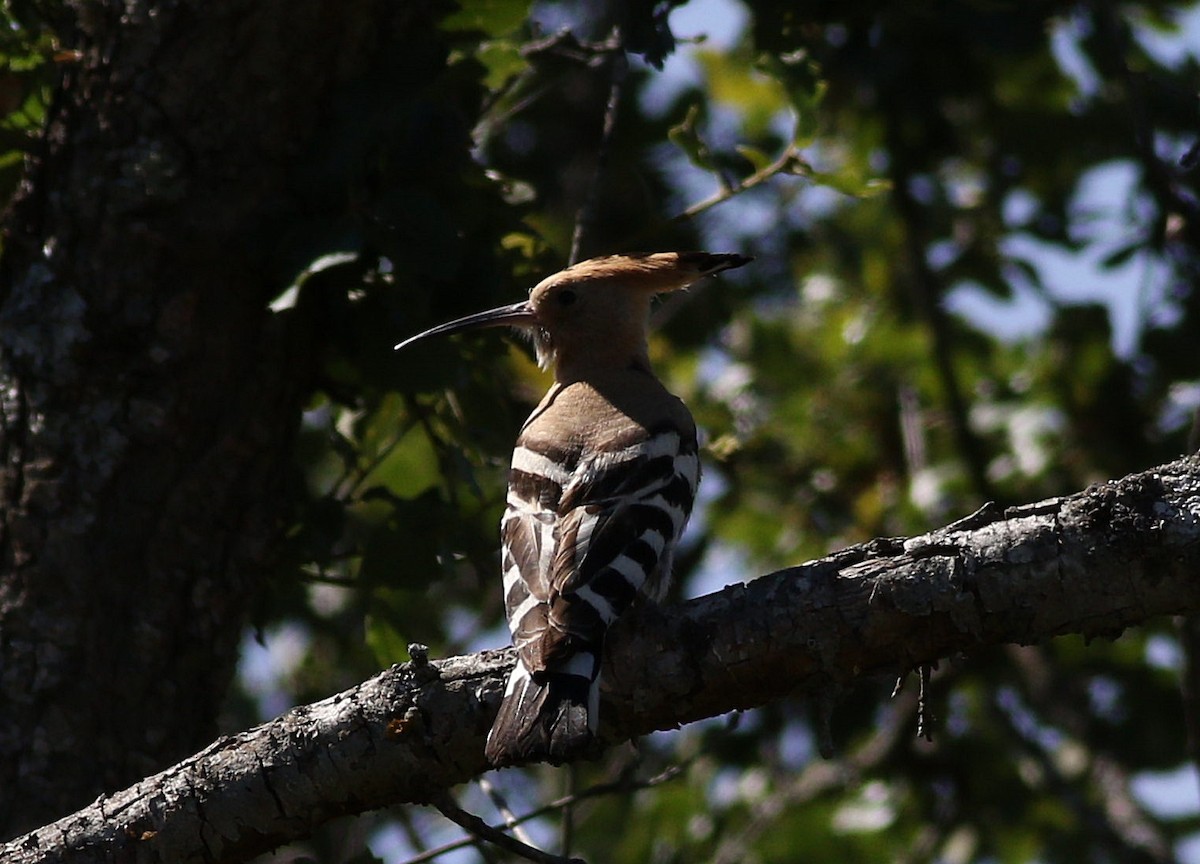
552 717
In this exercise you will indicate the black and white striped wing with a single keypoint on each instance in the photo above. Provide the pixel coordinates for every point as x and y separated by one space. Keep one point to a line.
621 523
621 514
529 538
584 536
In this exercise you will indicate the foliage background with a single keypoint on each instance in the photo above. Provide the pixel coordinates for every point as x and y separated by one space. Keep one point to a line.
976 239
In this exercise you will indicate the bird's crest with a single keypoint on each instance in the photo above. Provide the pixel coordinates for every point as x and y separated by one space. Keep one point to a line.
656 272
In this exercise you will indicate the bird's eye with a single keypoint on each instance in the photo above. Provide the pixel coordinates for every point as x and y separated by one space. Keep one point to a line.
566 297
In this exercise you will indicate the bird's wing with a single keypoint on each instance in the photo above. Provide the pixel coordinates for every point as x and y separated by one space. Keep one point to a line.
619 517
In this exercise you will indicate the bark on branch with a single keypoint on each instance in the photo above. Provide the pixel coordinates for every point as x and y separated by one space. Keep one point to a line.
1093 563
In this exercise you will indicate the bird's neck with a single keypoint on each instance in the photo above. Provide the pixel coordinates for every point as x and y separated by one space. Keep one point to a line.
600 362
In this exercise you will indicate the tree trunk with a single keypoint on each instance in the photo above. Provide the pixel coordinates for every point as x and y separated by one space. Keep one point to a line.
147 395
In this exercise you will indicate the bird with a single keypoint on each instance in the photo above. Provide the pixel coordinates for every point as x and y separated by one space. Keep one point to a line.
602 481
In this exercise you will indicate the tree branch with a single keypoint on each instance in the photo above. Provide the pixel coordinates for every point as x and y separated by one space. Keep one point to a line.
1093 563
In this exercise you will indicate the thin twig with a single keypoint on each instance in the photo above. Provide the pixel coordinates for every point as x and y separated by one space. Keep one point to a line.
403 816
619 69
478 828
567 832
563 44
927 293
422 414
789 162
355 474
510 818
489 121
818 778
623 785
923 712
566 44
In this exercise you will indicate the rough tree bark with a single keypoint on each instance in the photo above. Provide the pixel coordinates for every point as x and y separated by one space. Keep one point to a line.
146 395
1094 563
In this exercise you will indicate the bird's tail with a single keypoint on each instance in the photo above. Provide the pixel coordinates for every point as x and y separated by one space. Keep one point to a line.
549 717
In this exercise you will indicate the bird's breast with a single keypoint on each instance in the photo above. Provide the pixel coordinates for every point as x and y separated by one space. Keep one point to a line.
580 430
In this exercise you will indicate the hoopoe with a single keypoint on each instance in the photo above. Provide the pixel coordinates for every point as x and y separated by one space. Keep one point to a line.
602 482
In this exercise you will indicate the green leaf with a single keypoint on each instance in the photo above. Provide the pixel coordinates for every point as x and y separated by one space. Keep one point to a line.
687 138
503 60
801 79
849 183
735 81
754 156
386 642
405 466
491 17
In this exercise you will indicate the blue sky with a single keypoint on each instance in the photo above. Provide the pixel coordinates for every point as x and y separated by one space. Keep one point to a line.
1109 212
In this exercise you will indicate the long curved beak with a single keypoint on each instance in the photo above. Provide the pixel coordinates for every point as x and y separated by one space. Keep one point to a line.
517 315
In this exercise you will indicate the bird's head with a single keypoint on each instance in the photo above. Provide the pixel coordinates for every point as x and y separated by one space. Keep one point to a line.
593 316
